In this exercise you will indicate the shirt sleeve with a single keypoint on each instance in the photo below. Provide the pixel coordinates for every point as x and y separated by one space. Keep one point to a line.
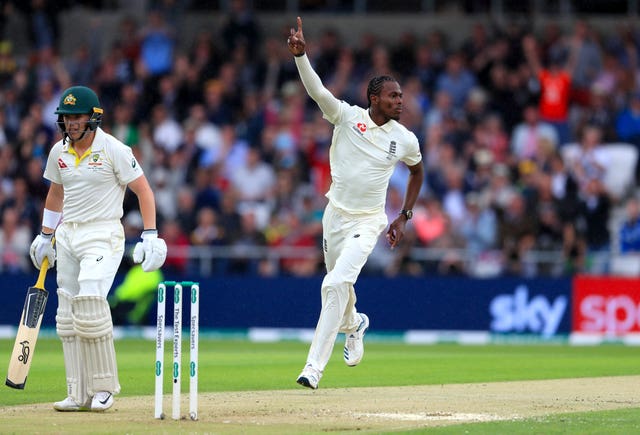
329 104
51 170
125 164
414 156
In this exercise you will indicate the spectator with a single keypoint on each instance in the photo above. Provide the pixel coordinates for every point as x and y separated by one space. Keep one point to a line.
592 160
241 28
595 210
629 234
177 261
255 183
456 80
167 132
157 44
527 136
15 238
479 227
555 86
628 125
517 231
248 240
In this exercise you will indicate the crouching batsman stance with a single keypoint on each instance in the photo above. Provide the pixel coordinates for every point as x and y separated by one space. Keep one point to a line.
89 171
365 147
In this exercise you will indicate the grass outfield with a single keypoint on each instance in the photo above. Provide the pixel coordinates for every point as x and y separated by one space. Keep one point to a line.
242 366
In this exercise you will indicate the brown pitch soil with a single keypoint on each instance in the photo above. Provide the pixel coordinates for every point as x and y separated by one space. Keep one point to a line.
345 410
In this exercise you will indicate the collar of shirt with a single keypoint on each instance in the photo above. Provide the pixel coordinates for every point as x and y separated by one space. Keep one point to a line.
371 124
96 145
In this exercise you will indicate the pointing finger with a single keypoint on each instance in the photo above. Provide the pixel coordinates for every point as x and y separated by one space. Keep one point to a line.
299 24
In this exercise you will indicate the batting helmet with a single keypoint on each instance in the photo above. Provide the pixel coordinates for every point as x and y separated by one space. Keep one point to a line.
78 100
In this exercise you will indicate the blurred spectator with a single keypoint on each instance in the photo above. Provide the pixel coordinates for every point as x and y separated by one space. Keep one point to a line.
247 240
178 244
527 136
456 80
42 19
550 236
599 112
628 126
628 121
629 234
298 235
255 184
591 161
157 44
24 204
209 233
429 220
517 231
479 227
595 209
490 135
14 243
124 127
453 198
588 60
186 209
555 86
241 28
167 132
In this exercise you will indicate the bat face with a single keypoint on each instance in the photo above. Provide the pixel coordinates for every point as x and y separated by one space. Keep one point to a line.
28 329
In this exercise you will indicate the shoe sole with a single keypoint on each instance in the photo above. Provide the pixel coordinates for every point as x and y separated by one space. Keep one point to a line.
305 383
83 409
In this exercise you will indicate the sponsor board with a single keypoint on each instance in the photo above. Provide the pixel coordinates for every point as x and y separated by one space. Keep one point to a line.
606 306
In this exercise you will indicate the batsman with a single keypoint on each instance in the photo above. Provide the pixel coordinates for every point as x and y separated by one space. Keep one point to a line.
89 171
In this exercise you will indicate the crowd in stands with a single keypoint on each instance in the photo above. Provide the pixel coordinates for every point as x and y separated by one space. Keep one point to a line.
237 153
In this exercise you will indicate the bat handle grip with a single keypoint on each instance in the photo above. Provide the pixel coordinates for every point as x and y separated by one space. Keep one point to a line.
43 273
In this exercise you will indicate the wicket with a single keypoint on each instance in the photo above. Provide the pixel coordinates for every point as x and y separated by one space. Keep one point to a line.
177 347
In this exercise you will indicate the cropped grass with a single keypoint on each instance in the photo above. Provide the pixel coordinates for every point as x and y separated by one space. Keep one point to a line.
618 422
227 365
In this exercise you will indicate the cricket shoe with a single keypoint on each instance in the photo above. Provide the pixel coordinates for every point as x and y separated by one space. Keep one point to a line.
309 377
70 405
102 401
354 343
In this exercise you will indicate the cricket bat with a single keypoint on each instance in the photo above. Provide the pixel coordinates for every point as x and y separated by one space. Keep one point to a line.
28 329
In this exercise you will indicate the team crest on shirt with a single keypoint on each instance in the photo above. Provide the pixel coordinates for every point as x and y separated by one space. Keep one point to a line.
62 164
392 150
96 161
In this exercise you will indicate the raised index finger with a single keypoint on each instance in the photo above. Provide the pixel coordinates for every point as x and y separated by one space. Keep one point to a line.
299 24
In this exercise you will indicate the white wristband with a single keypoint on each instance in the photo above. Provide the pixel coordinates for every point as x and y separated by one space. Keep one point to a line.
51 219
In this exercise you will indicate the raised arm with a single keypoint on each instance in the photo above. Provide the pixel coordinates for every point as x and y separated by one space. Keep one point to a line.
311 81
530 49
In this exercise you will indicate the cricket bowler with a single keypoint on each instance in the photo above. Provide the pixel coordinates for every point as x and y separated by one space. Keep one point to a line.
365 147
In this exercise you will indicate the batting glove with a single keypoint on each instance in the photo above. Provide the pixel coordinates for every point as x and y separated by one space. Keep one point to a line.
151 252
41 247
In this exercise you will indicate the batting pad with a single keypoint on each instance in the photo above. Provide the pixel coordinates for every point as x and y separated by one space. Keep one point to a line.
93 325
70 348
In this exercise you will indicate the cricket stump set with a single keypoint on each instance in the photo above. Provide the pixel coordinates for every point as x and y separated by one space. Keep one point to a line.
194 298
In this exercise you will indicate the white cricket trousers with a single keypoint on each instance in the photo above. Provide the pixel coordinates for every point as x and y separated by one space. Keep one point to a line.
348 240
88 257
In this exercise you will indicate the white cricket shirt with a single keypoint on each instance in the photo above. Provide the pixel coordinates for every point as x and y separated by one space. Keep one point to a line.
363 155
94 183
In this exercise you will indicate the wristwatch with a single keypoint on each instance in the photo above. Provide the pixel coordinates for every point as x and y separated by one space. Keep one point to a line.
407 213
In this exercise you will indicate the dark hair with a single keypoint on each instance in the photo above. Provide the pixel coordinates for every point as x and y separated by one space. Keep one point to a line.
375 86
